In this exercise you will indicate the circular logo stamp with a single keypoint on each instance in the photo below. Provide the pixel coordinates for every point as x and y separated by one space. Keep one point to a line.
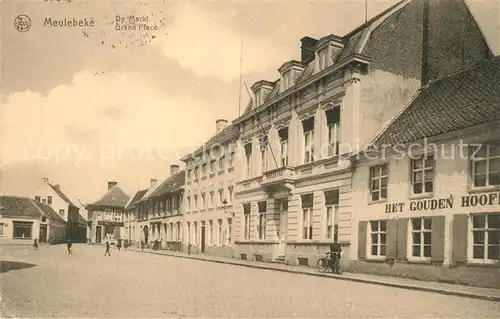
22 23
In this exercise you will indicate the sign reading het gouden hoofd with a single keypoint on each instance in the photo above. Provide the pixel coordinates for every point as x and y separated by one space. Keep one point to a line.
473 200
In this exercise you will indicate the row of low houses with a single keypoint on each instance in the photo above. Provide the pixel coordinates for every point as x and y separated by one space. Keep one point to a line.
56 218
386 139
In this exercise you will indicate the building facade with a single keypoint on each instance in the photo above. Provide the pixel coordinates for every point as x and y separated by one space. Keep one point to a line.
428 206
132 231
294 189
24 219
163 210
209 194
106 215
52 195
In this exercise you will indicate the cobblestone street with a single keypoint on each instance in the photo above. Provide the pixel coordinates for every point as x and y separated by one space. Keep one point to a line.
134 285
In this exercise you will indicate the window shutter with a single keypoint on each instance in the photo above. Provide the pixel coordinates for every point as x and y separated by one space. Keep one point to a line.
437 239
362 240
402 240
459 252
392 230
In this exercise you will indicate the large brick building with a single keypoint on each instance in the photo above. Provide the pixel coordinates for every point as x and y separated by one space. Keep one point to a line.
293 190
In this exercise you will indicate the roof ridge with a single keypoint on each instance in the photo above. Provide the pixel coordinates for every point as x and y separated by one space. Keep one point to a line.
369 22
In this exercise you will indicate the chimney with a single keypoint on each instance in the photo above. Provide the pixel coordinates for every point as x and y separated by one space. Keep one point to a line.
111 184
174 169
307 47
154 182
220 124
45 180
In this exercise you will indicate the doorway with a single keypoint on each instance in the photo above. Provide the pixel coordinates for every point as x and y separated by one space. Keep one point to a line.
98 234
146 234
43 234
283 213
202 239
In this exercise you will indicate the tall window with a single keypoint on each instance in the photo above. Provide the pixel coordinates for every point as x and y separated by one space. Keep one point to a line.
211 199
211 232
378 237
1 228
263 161
189 231
219 232
486 165
230 163
331 200
486 236
189 175
221 196
421 237
195 233
378 182
222 162
246 225
283 135
49 200
188 203
195 202
423 175
204 169
203 200
262 220
287 80
333 125
212 166
248 159
230 191
323 59
197 172
308 127
229 230
307 216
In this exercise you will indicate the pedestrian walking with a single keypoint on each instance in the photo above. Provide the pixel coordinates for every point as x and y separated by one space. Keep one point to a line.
107 249
119 245
88 241
142 245
35 244
69 244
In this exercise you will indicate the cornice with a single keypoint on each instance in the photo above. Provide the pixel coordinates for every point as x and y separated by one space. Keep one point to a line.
352 58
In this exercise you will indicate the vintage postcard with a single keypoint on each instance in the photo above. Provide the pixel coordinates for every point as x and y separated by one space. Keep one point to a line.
250 159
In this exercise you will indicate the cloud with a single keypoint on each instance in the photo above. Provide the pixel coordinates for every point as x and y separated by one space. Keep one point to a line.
211 47
72 116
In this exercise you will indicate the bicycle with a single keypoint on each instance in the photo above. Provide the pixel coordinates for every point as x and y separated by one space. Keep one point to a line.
325 263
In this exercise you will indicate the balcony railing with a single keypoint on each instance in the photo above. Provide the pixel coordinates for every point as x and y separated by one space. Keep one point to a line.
278 177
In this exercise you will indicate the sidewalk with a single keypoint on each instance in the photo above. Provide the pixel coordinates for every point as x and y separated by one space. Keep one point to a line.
436 287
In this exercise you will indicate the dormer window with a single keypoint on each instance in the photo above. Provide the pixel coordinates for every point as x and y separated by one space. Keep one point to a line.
261 91
287 81
288 72
323 58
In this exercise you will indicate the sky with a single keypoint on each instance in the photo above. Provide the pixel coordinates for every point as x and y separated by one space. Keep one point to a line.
87 105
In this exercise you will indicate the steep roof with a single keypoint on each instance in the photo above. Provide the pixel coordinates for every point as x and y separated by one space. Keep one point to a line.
170 185
19 207
354 42
58 191
114 197
464 99
137 198
48 211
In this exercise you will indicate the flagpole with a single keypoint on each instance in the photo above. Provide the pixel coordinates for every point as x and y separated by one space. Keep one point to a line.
241 70
366 11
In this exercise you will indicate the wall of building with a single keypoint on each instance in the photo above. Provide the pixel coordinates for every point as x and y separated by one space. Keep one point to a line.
58 203
450 240
220 179
8 227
